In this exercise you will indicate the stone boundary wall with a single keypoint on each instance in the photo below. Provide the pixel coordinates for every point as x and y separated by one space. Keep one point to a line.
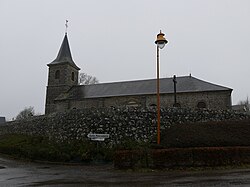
181 157
121 124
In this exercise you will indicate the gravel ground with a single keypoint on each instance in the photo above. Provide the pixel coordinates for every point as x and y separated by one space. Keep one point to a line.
20 173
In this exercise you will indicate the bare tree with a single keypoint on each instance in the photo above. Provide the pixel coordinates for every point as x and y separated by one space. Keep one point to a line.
26 113
85 79
245 104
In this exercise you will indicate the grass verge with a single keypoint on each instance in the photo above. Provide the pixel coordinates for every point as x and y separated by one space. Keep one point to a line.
41 148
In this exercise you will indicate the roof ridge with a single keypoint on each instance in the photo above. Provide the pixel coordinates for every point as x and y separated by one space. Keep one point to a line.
132 81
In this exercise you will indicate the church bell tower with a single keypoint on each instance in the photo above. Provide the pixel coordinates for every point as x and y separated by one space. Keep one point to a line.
63 74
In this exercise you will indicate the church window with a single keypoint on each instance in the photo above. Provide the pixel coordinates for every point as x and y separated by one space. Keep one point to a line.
73 76
153 106
132 104
57 75
201 104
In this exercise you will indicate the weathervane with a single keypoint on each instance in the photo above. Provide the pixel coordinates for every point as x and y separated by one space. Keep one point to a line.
66 26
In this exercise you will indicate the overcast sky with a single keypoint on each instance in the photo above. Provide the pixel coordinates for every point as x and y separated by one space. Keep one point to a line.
114 41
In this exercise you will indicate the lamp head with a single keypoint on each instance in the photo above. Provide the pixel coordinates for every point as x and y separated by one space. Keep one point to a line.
161 40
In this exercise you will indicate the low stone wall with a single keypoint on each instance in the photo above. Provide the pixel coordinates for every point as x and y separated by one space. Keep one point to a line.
137 124
182 157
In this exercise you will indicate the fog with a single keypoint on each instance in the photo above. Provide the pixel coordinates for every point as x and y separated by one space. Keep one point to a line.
114 41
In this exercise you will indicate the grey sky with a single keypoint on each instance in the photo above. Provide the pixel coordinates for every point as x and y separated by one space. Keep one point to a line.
114 41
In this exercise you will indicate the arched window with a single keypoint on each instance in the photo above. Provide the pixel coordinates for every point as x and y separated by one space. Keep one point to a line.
132 104
153 106
73 76
57 75
201 104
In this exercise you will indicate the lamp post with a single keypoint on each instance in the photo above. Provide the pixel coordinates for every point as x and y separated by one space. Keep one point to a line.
175 82
160 42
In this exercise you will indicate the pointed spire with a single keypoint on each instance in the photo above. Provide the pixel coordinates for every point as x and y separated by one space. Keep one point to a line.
64 54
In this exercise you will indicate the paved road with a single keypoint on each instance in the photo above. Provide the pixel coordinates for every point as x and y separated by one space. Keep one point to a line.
18 173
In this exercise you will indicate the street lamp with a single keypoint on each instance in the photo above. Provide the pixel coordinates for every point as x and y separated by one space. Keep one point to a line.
160 42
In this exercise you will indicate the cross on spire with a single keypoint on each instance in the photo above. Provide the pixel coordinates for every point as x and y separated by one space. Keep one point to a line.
66 26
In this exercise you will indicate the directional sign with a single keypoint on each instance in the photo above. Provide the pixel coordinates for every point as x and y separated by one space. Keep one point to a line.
97 137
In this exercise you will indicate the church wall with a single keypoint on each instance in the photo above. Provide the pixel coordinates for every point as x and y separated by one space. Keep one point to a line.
136 101
61 78
65 75
213 100
51 93
62 106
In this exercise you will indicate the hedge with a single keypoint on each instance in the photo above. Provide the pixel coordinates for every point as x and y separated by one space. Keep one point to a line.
181 157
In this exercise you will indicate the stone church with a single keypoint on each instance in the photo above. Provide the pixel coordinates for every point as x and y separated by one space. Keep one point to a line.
65 93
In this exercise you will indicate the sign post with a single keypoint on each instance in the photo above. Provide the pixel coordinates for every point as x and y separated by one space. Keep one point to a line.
97 137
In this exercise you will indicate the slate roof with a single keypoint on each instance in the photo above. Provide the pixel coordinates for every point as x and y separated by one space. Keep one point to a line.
140 87
64 54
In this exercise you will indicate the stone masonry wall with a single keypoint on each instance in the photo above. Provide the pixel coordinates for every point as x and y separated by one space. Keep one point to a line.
128 123
214 100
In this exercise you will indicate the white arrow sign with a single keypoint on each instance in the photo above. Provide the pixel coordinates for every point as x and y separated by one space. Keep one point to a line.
97 137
